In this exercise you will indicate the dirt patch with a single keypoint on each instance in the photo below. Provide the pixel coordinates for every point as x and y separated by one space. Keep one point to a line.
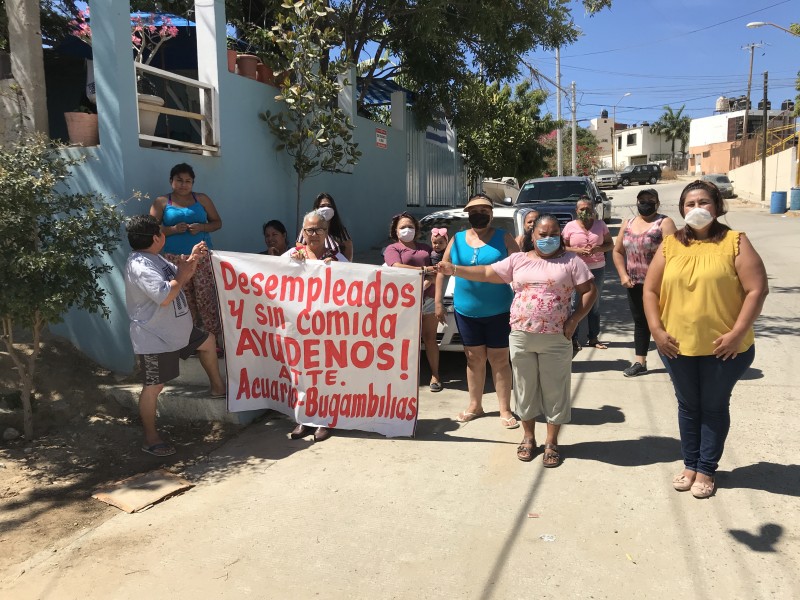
83 440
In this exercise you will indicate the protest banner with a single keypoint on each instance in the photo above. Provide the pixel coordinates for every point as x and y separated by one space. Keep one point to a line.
330 345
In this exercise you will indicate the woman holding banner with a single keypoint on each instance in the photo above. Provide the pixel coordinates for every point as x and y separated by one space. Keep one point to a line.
481 309
544 276
408 253
315 230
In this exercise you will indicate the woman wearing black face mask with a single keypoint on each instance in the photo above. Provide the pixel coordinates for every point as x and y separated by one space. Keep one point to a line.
482 309
633 252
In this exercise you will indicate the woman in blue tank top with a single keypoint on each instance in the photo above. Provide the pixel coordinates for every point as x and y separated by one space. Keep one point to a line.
481 309
187 218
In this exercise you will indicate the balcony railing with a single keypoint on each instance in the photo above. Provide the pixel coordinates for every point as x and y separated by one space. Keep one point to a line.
206 122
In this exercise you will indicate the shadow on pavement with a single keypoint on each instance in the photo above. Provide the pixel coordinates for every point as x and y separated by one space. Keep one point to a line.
647 450
765 476
597 416
764 541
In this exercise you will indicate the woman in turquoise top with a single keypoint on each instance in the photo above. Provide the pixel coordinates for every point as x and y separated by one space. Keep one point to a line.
187 218
481 309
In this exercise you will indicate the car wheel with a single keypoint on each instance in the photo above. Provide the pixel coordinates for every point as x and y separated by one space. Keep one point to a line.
625 182
653 180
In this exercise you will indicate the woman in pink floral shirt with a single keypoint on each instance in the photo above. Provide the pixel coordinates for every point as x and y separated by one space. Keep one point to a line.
544 276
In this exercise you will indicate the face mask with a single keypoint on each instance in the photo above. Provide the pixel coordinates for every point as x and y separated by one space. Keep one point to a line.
548 245
326 212
406 234
585 215
646 208
479 220
698 218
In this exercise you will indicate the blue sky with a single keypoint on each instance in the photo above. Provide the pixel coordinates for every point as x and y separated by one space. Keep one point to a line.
674 52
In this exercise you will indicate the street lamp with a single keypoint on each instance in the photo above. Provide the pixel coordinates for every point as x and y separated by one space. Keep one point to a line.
755 24
613 133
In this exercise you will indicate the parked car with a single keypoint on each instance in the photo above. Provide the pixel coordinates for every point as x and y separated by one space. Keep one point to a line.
511 219
640 174
558 196
606 178
724 184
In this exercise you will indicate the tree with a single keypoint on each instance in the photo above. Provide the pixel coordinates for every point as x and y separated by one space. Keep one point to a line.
499 131
440 45
311 129
587 151
51 248
674 126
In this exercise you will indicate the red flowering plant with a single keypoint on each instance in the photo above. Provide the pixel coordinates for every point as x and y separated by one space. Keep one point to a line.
149 31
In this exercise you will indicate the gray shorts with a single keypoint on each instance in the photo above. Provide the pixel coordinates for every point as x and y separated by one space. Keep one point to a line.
164 367
428 306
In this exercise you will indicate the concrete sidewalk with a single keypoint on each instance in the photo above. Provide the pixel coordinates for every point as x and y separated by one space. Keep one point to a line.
453 513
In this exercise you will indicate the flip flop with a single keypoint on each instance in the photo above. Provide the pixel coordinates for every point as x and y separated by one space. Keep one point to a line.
509 423
159 449
596 344
222 395
466 417
435 386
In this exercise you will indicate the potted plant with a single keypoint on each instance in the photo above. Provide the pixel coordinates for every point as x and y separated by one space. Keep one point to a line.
231 43
247 65
82 126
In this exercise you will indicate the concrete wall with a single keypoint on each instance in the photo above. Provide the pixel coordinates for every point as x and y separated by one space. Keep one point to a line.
781 172
249 182
714 129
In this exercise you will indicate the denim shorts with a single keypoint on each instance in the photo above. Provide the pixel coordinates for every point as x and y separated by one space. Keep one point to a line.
428 306
491 332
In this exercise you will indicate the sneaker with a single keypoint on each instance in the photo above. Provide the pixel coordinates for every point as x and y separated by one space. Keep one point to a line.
635 369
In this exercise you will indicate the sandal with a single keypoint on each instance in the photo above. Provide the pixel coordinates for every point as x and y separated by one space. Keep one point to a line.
576 347
466 417
595 343
525 450
551 458
509 423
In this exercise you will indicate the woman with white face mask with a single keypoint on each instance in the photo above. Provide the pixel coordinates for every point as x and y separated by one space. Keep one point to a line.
338 239
703 292
408 253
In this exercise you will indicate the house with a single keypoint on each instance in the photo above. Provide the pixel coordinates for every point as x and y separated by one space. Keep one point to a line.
716 144
235 160
637 145
603 129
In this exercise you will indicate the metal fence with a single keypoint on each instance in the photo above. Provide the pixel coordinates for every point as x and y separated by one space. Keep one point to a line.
436 175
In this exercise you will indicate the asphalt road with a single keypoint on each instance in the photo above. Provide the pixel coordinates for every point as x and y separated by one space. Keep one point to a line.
453 514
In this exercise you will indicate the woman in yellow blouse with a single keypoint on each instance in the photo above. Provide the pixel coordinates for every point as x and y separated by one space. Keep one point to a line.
703 292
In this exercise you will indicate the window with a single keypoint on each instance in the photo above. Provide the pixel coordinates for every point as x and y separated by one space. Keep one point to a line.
619 143
630 139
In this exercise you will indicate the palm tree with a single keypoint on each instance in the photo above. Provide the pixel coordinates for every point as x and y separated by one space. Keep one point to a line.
673 126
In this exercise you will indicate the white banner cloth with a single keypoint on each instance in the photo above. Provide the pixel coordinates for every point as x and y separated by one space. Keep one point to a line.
330 345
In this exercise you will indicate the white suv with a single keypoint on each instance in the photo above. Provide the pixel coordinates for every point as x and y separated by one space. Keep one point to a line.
510 219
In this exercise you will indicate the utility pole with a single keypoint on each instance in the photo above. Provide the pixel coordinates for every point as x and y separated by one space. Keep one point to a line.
559 149
752 48
574 132
764 151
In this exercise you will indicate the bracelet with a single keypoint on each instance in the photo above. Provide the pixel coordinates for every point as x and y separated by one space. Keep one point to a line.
454 269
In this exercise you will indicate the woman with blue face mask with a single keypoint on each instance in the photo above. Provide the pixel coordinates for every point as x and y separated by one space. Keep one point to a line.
543 276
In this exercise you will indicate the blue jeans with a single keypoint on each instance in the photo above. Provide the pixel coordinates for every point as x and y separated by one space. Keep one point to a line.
703 386
589 327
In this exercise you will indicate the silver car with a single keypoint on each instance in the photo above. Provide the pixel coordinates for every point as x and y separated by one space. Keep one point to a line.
606 178
724 184
510 219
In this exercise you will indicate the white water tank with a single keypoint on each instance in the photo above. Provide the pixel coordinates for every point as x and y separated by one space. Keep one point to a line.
722 105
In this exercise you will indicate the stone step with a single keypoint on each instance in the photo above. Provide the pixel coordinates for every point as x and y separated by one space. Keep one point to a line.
186 398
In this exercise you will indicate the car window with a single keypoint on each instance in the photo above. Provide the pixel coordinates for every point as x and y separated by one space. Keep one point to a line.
605 172
456 223
545 191
722 179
